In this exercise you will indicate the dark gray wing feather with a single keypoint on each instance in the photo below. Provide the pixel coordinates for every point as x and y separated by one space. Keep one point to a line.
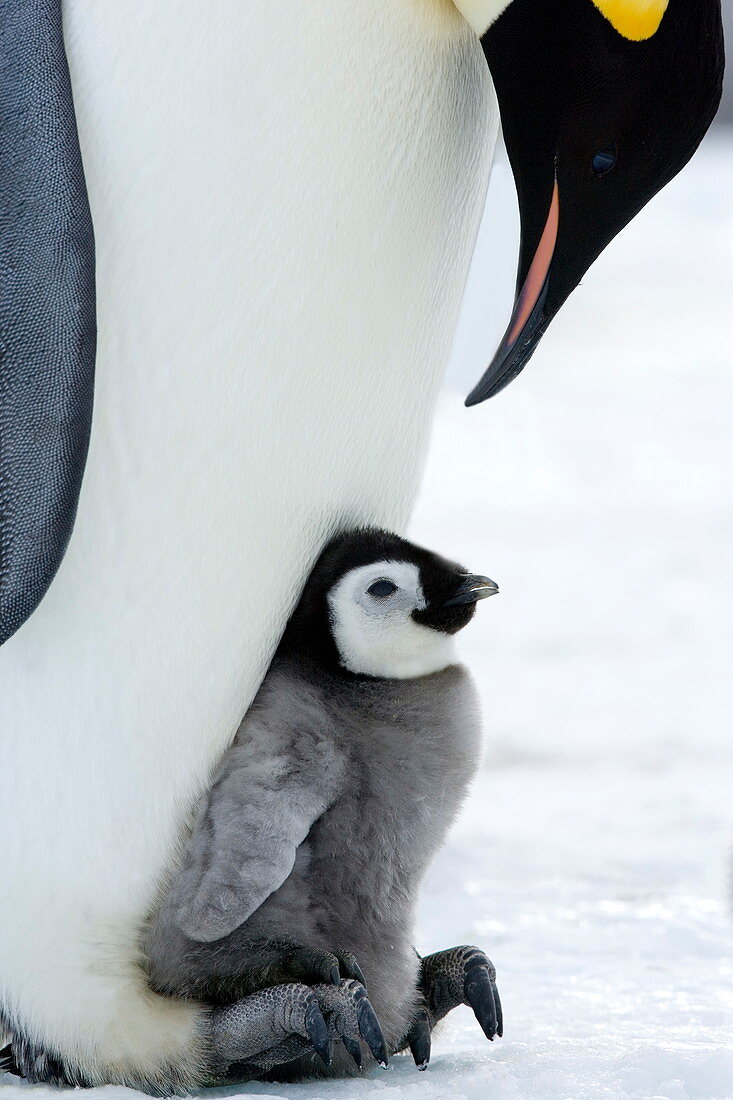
272 785
47 307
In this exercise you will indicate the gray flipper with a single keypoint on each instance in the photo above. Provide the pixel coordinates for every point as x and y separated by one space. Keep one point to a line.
271 786
47 307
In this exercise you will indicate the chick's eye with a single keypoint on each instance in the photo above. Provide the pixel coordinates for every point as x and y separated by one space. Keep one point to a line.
382 589
604 160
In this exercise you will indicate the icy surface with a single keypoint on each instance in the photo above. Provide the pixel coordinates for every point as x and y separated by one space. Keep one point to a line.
593 859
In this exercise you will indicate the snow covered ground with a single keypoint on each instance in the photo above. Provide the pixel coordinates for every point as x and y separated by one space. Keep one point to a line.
593 860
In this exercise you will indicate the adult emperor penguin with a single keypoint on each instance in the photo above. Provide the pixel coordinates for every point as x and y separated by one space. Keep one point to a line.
284 200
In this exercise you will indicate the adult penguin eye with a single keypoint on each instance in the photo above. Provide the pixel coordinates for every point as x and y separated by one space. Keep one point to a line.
381 589
604 160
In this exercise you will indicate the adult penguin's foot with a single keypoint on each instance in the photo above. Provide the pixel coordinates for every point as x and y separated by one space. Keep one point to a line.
458 976
293 1023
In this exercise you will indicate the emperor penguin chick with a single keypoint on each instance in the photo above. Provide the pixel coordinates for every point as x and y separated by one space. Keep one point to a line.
299 882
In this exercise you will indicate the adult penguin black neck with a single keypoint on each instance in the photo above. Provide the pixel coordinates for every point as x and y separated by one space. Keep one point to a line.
595 124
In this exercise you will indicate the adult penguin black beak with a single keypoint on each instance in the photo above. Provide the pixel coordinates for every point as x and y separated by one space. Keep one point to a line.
602 102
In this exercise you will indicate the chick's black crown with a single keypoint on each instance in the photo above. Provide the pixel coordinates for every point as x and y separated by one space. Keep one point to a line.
308 632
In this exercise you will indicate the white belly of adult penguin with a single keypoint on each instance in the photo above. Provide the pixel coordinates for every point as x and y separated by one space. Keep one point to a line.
285 199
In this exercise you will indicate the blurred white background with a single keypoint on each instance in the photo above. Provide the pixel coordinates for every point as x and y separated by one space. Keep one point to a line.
593 861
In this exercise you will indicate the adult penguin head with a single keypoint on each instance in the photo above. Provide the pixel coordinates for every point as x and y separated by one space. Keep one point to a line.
602 102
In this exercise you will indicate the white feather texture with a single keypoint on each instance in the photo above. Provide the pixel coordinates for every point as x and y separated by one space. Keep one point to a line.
285 198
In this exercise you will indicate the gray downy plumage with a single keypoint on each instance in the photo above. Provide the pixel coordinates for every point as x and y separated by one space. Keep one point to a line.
338 790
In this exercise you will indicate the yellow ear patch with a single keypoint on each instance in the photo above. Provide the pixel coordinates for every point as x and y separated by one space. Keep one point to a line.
634 19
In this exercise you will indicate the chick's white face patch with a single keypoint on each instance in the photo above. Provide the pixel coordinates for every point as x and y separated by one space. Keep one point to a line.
374 631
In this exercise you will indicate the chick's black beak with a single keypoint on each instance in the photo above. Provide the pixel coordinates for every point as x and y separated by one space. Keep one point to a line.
471 589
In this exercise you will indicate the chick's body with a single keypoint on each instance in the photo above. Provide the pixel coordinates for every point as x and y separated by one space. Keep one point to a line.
404 751
339 787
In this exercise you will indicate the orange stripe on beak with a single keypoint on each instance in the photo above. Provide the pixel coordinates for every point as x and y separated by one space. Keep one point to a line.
537 274
527 322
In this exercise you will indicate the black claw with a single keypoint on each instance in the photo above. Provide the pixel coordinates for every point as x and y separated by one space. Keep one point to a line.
499 1012
480 996
419 1040
357 973
370 1030
353 1048
335 975
350 967
317 1030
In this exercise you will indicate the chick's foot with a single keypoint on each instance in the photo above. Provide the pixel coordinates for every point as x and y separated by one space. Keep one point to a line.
458 976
